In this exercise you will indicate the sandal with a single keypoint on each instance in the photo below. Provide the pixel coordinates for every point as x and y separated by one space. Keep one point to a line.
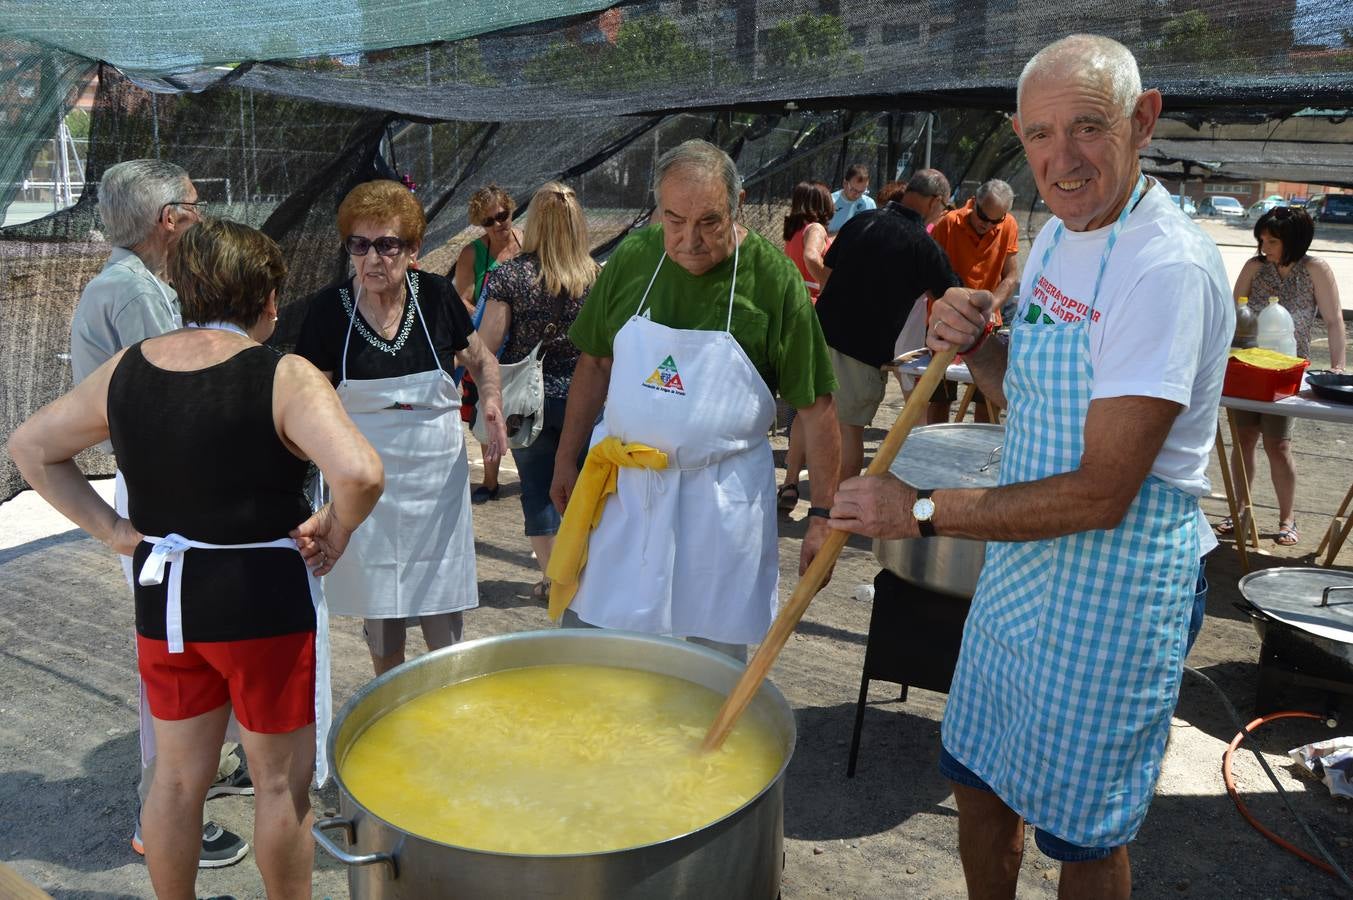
540 591
484 494
1287 534
787 497
1226 526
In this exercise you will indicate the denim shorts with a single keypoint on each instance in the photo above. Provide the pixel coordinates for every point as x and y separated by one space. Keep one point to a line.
535 468
1050 844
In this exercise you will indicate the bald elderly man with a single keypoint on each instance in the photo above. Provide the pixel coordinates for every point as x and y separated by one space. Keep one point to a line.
1092 589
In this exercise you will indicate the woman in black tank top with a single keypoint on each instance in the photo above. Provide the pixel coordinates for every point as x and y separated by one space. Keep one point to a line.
212 432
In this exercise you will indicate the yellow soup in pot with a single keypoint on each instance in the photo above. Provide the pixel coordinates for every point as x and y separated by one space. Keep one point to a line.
558 759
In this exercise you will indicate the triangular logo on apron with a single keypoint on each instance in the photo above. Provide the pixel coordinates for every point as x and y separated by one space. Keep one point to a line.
665 378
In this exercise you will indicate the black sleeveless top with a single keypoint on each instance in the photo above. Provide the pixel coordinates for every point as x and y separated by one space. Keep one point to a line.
201 458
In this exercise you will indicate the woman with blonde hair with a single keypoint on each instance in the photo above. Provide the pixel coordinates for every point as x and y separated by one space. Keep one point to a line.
534 299
492 209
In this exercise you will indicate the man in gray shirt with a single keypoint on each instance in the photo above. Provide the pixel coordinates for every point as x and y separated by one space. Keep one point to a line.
146 205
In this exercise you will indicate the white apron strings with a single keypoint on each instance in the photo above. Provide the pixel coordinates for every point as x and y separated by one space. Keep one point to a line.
732 287
172 548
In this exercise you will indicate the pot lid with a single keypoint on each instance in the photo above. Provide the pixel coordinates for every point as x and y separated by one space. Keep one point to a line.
957 455
1294 596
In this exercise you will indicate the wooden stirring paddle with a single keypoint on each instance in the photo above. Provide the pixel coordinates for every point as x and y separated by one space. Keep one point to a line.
822 564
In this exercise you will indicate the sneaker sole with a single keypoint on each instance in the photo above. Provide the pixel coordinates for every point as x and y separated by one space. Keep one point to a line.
224 861
139 849
217 790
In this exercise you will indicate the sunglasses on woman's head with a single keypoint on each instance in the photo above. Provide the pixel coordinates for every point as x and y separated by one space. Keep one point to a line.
503 216
385 246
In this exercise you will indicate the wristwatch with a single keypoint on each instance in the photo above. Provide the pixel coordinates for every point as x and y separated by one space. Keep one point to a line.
924 512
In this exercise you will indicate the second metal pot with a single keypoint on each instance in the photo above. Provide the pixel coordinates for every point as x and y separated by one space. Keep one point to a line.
957 455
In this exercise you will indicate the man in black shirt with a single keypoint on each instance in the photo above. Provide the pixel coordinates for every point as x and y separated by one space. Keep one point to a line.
879 264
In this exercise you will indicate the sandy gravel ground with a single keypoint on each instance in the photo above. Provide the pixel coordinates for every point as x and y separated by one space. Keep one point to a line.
68 747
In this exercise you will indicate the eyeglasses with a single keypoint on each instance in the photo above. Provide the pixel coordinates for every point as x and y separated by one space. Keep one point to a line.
503 216
1281 212
385 246
197 206
977 208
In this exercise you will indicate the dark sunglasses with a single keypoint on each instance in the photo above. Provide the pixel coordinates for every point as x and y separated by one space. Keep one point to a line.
503 216
385 246
977 208
1282 212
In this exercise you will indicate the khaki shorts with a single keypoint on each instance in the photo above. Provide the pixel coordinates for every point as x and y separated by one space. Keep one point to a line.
1273 428
860 391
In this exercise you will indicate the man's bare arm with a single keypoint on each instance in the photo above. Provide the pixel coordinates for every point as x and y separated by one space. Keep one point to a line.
586 396
1123 437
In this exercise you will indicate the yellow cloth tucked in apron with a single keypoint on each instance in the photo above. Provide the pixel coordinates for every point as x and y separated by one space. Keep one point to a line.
596 482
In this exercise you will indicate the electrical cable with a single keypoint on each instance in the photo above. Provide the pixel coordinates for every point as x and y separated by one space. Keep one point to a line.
1328 865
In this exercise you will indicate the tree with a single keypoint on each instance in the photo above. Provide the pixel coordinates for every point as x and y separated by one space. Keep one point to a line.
810 44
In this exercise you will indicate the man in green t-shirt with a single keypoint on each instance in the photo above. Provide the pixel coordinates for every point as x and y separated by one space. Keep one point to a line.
690 329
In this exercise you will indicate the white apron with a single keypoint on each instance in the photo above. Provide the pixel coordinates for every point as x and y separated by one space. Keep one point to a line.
691 550
414 555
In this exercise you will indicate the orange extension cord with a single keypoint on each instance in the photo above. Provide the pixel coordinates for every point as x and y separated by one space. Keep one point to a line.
1240 805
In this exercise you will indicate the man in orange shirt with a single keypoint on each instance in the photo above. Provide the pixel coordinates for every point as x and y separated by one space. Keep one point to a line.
982 241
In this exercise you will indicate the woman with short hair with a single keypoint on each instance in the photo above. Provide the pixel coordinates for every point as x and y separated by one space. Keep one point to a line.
389 338
227 615
492 209
1306 288
533 299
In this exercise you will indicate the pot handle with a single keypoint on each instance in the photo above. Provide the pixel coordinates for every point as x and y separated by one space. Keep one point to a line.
1325 595
342 855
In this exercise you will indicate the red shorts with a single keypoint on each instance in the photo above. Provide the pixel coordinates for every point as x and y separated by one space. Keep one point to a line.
270 681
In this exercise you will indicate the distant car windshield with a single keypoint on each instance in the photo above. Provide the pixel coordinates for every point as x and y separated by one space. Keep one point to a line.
1228 202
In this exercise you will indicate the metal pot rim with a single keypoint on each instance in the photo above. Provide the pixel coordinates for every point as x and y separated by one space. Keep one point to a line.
588 634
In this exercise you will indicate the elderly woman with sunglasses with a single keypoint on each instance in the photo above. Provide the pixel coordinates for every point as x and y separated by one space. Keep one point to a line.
389 338
1306 288
490 208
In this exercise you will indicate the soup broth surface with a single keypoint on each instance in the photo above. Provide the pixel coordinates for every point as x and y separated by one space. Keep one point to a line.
558 759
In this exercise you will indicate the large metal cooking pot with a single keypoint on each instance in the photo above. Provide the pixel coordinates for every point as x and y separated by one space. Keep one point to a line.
1304 616
958 455
740 855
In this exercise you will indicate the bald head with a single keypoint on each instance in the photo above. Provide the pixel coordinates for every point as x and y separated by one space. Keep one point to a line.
1079 55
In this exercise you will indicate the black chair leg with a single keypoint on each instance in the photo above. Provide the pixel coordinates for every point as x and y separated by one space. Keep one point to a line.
859 725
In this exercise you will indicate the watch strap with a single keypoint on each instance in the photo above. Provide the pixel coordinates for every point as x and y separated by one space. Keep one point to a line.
925 526
820 512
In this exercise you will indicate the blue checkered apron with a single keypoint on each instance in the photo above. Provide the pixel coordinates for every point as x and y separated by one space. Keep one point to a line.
1073 650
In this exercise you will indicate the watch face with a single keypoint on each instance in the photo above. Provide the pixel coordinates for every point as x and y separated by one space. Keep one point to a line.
923 510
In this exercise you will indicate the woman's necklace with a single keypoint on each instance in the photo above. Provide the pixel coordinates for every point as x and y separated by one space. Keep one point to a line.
385 319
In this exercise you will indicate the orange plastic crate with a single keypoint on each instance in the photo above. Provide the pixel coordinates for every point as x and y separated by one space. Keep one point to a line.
1266 385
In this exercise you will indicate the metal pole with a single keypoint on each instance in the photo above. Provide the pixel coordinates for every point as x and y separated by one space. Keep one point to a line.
155 123
929 136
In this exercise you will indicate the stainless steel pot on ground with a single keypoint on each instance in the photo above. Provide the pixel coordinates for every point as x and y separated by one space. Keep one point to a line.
740 855
1305 616
944 456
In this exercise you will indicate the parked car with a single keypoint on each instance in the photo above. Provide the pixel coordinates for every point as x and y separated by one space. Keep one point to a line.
1258 209
1331 207
1219 205
1185 202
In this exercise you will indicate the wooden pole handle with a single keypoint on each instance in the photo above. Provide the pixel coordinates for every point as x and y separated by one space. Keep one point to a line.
820 568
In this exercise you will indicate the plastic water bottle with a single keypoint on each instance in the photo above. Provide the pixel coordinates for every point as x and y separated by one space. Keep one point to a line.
1247 326
1276 329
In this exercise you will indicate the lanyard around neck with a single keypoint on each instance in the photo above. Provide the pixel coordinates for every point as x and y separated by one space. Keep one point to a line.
1103 260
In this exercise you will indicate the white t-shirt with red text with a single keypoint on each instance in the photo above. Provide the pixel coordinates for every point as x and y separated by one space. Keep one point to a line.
1161 326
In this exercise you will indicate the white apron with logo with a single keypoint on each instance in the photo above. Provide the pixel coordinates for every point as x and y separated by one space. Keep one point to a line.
414 555
691 550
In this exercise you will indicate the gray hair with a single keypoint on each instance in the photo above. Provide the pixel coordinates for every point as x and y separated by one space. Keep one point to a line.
132 195
1107 59
929 183
703 158
997 190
